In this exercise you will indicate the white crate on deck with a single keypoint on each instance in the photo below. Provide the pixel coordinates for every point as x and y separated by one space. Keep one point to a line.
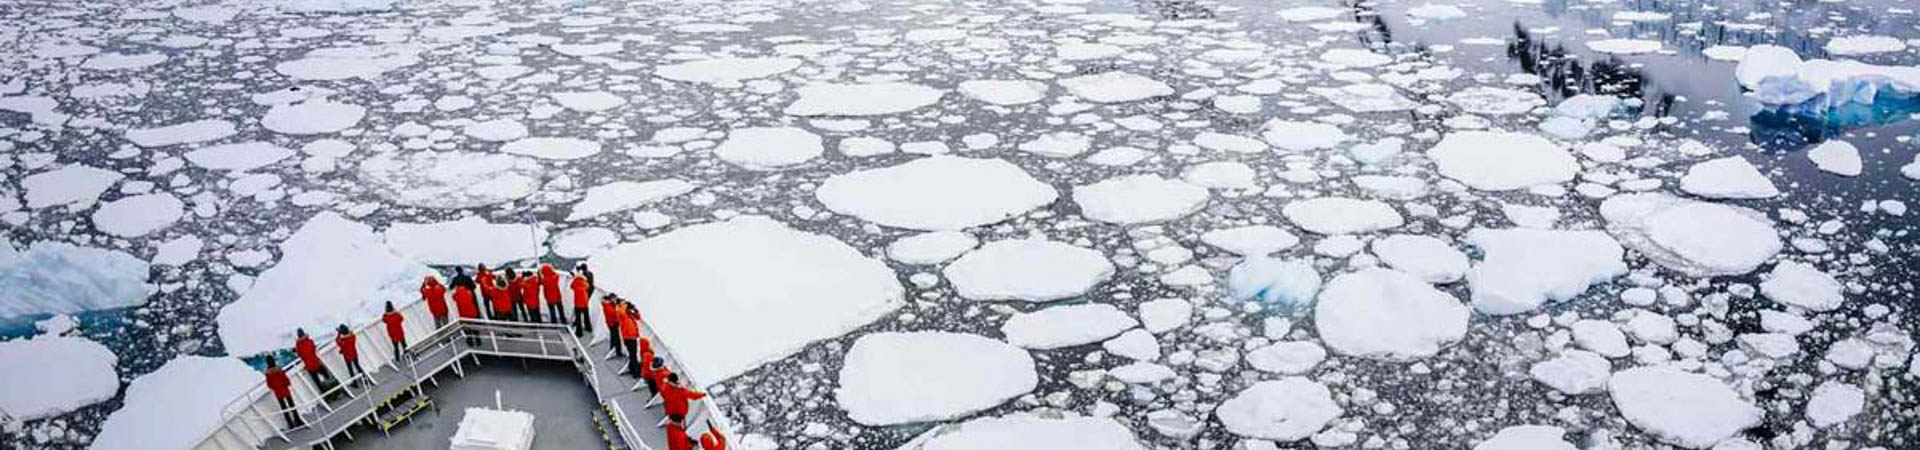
493 429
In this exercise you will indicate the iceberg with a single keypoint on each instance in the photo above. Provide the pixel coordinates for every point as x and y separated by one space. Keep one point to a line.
62 278
1775 76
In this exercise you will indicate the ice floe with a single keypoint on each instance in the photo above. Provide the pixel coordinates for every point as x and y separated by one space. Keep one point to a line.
931 248
239 156
1685 409
556 148
76 184
624 195
182 133
936 193
1287 409
1031 270
805 287
1252 240
1695 238
318 116
1115 87
61 278
1028 433
138 215
1729 177
470 240
1527 437
769 148
1425 257
331 271
177 405
1523 268
451 180
895 378
1836 157
1387 314
1802 285
874 99
1341 215
1133 199
1497 161
1004 92
726 70
50 375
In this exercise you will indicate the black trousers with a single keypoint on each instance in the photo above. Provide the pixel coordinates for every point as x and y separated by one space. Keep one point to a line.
528 313
503 315
439 322
557 312
400 348
286 407
320 376
353 368
633 360
581 323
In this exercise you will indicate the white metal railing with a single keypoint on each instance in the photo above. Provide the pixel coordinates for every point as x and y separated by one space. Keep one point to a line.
254 418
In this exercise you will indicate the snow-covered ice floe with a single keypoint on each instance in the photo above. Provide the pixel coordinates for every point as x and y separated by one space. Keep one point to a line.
51 375
936 193
1776 75
1028 432
175 406
61 278
1032 270
789 287
1387 314
467 241
895 378
331 271
1686 409
1692 237
451 180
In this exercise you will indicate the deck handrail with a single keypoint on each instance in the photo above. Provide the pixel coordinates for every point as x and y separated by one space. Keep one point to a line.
244 407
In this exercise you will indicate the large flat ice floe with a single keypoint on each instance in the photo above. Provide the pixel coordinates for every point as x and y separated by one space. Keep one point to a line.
176 405
1028 432
1681 408
726 70
1527 437
71 185
624 195
60 278
1524 268
1066 326
1387 314
1496 161
895 378
789 287
1776 75
1115 87
182 133
1692 237
1287 409
451 180
1341 215
1135 199
319 116
138 215
1729 177
874 99
331 271
466 241
51 375
556 148
936 193
769 148
1032 270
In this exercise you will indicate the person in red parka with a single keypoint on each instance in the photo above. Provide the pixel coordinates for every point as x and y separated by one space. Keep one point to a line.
465 304
349 346
501 298
610 313
529 285
712 439
550 290
396 331
677 398
484 278
310 357
677 438
581 295
282 391
649 367
630 336
436 297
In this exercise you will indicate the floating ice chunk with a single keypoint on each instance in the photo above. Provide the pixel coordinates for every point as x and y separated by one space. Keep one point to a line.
1776 76
625 195
1803 285
588 101
931 248
1087 51
1497 161
1366 97
583 242
1289 357
1836 157
1341 215
1386 314
769 148
1640 16
331 271
1425 257
1862 45
1126 156
1058 144
1729 177
1495 101
1283 283
466 241
138 215
451 180
1227 142
1527 437
1574 372
178 251
1253 240
238 157
1524 268
51 375
1297 136
1135 199
182 133
1031 270
1684 409
589 49
1028 433
1287 409
337 6
875 99
1725 52
726 70
1601 337
1912 169
1623 46
896 378
936 193
177 405
61 278
122 61
1115 87
1136 344
318 116
1833 403
1004 92
1431 11
497 130
1066 326
1221 175
1695 238
559 148
70 185
1312 13
1354 58
807 287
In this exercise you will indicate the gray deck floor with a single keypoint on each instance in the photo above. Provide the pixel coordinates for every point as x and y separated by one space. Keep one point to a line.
563 407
